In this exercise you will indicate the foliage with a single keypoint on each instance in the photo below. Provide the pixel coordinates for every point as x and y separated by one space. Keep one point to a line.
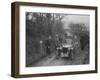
39 26
82 32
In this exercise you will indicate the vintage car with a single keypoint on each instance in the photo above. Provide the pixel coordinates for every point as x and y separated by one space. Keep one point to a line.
65 51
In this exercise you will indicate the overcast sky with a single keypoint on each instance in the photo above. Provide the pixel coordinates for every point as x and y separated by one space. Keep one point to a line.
76 19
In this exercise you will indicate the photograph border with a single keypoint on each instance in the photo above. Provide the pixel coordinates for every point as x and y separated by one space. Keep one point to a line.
15 69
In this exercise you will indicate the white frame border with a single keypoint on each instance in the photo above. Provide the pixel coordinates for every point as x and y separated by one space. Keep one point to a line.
38 70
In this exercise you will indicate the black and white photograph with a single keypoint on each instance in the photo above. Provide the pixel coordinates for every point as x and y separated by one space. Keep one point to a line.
55 39
52 39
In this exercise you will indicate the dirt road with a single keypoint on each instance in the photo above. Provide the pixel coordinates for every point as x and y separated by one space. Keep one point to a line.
79 58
